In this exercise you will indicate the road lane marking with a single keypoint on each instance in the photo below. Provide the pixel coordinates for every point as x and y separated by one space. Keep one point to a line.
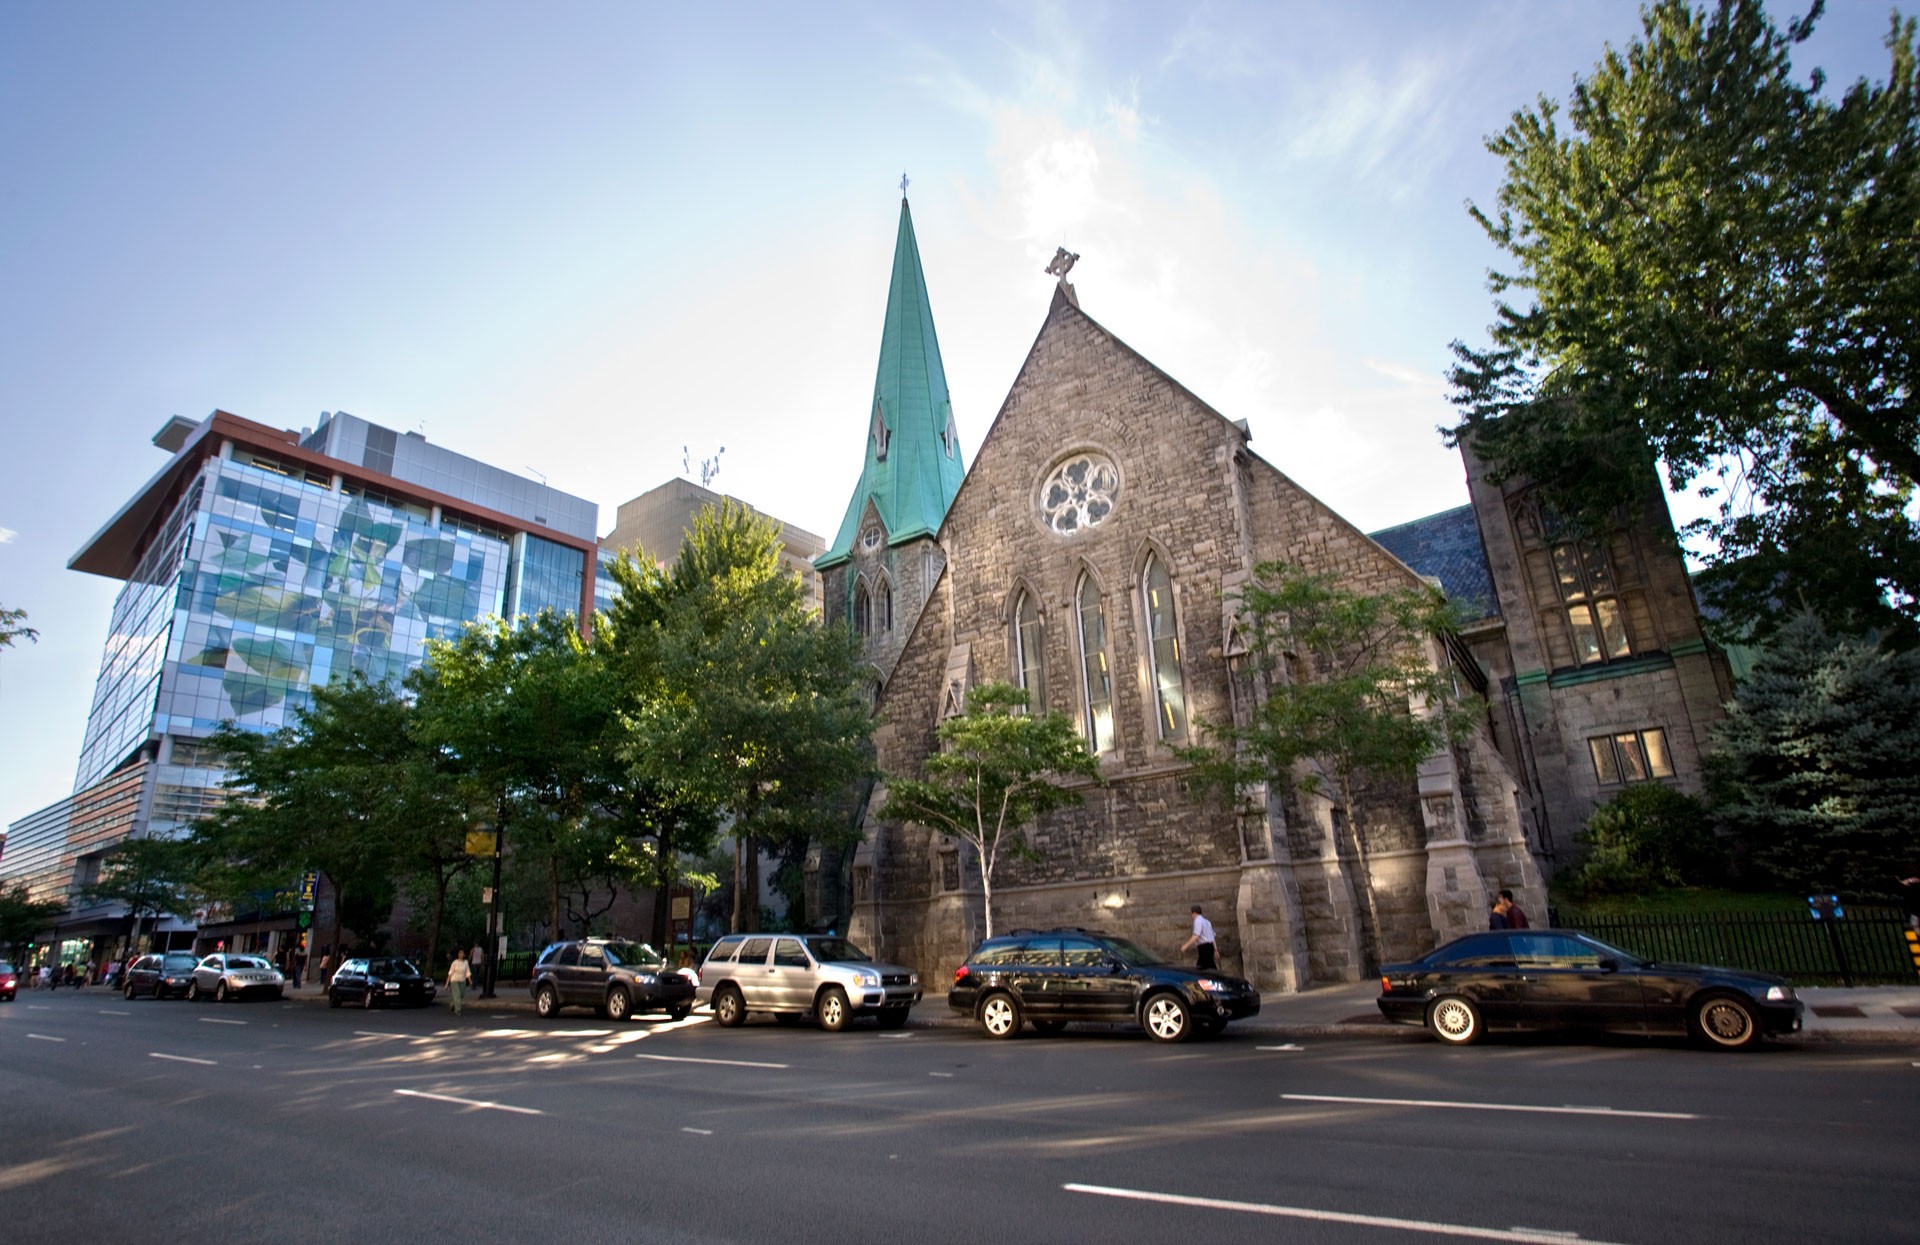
896 1035
41 1037
1493 1106
725 1063
181 1058
371 1033
1288 1046
1530 1236
38 1007
215 1020
939 1074
468 1102
698 1132
105 1012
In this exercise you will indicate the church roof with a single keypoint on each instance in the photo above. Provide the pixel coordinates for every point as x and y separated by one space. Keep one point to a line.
1447 547
913 466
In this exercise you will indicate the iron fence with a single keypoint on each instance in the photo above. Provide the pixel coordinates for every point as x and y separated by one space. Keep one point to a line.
1867 946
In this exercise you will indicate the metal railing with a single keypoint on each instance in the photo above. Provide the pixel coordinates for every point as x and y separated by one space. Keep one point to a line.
1867 946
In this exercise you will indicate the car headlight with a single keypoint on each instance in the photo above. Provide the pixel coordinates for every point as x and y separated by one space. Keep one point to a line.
645 979
913 979
1779 994
1212 986
866 977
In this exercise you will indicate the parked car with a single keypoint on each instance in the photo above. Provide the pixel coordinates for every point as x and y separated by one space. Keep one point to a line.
383 981
223 977
614 977
160 974
1055 977
821 975
1564 979
9 982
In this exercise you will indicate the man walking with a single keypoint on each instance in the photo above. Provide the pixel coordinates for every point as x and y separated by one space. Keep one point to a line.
1202 938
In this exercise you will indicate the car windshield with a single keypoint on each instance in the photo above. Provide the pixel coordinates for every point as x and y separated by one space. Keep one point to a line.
837 950
1626 958
1132 953
246 962
392 968
178 963
5 967
633 955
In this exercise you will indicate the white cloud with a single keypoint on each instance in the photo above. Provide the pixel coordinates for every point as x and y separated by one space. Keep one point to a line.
6 535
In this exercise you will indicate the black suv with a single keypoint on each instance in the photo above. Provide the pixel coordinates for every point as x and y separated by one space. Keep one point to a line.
614 977
1054 977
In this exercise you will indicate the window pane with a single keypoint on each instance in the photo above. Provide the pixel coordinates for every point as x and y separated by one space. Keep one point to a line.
1566 568
1658 763
1169 688
1613 628
1096 680
1028 662
1586 638
1633 762
1599 572
1605 767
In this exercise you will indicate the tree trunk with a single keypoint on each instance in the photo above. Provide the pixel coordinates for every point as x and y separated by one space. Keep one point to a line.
1368 911
986 891
440 880
749 897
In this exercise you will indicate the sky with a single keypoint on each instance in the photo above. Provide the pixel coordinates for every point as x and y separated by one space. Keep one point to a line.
599 242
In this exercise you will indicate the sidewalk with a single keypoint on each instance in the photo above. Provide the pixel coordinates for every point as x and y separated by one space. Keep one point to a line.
1833 1013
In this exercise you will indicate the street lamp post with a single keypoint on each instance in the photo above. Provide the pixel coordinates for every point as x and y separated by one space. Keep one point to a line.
493 912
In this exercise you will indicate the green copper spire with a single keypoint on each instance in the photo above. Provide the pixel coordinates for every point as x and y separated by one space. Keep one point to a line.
913 464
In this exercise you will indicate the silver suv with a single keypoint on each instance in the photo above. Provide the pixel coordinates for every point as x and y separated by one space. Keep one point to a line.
798 974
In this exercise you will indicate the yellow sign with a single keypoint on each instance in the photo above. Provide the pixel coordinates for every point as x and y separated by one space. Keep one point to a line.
683 907
479 842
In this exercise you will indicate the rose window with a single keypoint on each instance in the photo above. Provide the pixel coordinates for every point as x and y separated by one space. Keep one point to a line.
1079 493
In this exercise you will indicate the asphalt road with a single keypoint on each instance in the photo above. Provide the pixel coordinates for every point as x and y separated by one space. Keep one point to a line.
287 1122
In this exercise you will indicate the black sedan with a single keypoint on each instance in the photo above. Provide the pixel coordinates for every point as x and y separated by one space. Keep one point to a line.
160 974
383 981
1563 979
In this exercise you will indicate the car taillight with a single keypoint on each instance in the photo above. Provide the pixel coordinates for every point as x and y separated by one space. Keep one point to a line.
1385 985
959 974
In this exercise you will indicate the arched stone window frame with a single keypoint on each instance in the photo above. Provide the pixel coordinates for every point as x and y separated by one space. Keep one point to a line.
1097 724
862 607
1027 644
882 604
1162 645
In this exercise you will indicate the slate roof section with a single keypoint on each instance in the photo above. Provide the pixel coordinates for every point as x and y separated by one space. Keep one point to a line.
1447 547
914 483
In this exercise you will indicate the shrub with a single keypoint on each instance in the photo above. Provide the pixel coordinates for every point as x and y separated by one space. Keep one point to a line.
1648 837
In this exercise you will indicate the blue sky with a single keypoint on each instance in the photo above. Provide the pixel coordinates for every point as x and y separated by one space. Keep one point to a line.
575 238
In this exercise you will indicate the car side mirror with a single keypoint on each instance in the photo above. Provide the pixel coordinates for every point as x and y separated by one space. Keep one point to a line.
1116 966
1609 965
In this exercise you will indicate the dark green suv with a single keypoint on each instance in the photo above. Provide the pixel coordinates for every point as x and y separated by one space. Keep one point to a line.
1054 977
614 977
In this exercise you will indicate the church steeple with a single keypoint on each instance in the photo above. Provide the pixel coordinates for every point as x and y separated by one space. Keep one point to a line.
913 466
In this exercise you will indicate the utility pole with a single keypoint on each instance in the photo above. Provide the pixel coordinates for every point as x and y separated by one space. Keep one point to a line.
493 910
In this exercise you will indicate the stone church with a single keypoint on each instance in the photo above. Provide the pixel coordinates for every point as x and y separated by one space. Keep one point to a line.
1090 555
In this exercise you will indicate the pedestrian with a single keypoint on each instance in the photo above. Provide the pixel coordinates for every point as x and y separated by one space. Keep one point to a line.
459 973
1202 938
1516 919
1910 900
326 968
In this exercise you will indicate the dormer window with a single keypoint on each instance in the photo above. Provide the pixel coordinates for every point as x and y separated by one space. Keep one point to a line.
880 437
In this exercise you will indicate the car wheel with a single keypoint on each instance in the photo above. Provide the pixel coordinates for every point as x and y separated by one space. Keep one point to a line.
1167 1018
831 1009
366 1000
1454 1020
1000 1015
679 1013
893 1018
1725 1023
333 998
546 1001
220 994
619 1004
729 1009
1048 1028
193 992
128 992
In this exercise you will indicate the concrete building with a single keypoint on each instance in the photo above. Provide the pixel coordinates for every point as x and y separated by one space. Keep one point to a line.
258 563
658 520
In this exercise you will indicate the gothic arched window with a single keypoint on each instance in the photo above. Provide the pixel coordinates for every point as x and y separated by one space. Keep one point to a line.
862 609
1096 680
883 606
1029 655
1163 649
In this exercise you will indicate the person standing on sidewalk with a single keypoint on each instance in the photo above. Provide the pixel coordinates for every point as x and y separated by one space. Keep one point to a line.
459 973
1202 938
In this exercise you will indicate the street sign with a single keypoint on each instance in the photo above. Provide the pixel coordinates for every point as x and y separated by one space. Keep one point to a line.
308 882
306 920
486 894
479 842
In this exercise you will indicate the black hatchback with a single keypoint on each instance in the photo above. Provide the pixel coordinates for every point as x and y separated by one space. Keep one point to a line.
160 974
383 981
1052 978
1564 979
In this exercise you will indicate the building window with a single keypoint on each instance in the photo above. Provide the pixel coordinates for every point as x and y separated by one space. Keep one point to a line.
1029 652
1079 493
862 609
1096 681
1163 649
1593 610
883 606
1631 756
880 433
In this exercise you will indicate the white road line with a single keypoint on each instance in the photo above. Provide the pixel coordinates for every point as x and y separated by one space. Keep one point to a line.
726 1063
38 1007
1288 1046
1493 1106
698 1132
215 1020
154 1054
939 1074
468 1102
41 1037
896 1035
105 1012
1530 1236
371 1033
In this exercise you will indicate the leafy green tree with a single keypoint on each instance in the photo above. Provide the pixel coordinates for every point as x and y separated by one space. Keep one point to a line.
23 918
13 626
997 772
1716 266
1352 692
744 701
150 877
1814 764
1648 837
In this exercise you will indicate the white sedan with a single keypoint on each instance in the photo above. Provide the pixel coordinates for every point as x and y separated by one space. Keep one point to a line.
222 977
